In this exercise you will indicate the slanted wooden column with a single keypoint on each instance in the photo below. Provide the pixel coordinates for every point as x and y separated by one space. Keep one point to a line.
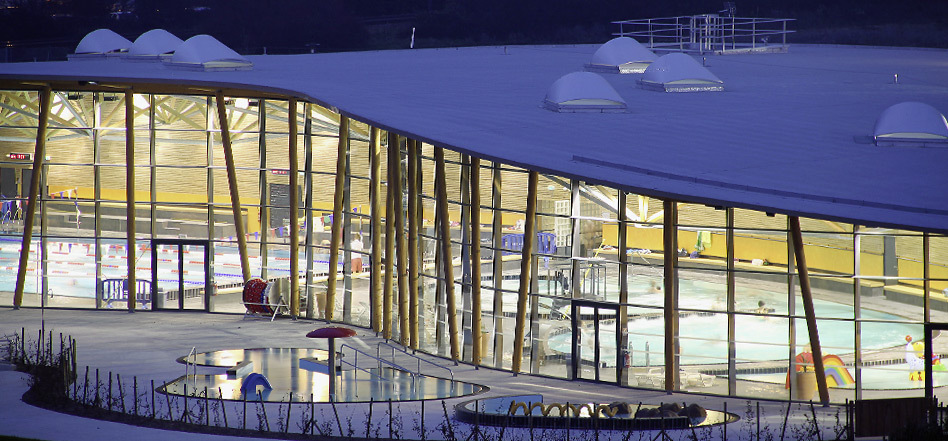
375 199
476 354
526 257
447 259
808 309
414 260
401 259
130 196
389 241
336 229
294 214
39 155
670 251
232 183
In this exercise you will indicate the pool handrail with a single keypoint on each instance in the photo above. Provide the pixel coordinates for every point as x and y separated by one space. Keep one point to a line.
342 360
378 350
343 346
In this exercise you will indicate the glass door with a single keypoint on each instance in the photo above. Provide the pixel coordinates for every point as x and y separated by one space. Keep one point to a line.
595 341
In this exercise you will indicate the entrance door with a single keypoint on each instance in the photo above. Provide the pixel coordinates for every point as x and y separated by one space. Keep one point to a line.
181 274
595 340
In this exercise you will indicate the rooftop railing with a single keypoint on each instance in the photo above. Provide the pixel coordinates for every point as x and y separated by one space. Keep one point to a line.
709 33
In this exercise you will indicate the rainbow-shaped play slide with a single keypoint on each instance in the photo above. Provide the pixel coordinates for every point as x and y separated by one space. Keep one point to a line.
836 372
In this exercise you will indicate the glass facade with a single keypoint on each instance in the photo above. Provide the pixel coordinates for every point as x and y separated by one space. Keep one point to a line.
597 305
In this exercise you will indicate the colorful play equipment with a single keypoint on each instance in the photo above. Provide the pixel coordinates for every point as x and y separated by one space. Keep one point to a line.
915 357
837 375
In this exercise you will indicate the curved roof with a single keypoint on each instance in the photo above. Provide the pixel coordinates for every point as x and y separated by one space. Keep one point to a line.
781 142
911 120
583 92
154 44
101 42
678 69
204 52
623 52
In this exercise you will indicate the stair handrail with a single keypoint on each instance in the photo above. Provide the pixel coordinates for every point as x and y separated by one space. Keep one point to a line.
394 348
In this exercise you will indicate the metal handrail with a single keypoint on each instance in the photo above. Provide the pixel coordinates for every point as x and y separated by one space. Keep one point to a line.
379 352
343 361
191 361
343 346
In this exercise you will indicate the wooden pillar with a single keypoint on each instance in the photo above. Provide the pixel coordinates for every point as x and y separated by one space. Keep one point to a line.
414 261
389 242
446 257
401 262
294 214
529 237
375 199
39 156
808 309
670 251
336 229
476 354
232 182
130 195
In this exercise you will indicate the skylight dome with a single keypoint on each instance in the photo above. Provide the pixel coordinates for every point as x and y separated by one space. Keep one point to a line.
154 44
101 43
583 92
911 122
677 72
621 55
203 52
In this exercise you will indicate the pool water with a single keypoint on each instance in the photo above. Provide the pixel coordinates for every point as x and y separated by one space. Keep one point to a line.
71 266
289 381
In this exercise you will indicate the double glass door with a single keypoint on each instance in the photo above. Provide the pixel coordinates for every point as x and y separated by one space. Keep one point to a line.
595 341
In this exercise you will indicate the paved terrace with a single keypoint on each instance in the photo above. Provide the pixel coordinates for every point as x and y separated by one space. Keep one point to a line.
146 345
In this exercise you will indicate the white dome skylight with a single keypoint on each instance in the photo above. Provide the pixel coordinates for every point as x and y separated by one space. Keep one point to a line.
621 55
101 43
583 92
678 72
154 44
911 122
203 52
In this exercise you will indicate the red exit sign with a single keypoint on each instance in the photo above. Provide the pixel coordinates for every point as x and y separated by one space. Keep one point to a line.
278 171
21 156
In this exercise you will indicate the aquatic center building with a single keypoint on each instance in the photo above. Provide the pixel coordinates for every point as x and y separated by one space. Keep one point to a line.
707 229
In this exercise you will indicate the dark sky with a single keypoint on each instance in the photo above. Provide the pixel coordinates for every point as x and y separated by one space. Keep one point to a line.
290 26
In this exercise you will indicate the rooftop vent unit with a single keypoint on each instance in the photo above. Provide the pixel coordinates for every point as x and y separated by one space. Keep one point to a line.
583 92
101 43
911 123
156 44
621 55
677 72
205 53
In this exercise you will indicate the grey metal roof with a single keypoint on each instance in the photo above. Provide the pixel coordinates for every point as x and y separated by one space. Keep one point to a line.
784 137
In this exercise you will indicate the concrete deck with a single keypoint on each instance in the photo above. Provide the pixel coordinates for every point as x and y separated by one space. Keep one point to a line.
146 344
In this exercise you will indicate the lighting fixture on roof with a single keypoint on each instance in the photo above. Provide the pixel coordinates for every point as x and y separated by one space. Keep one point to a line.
204 52
622 55
911 123
101 43
678 72
583 92
156 44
